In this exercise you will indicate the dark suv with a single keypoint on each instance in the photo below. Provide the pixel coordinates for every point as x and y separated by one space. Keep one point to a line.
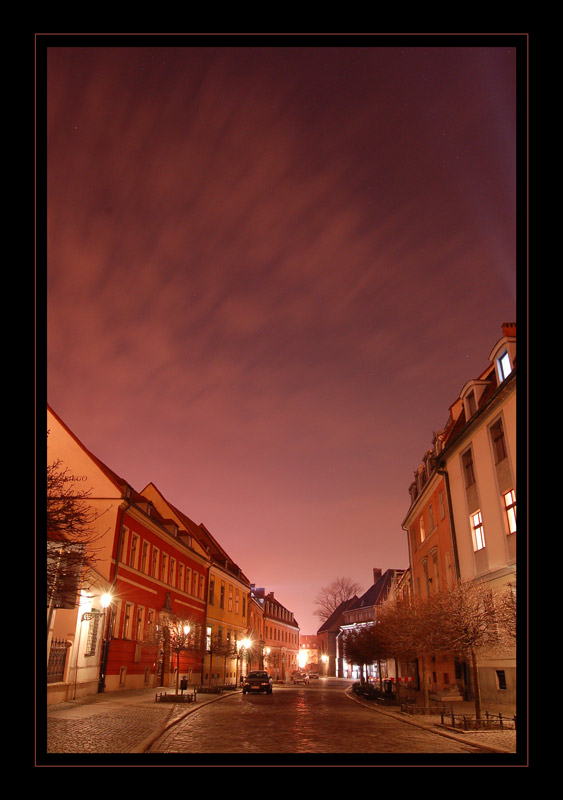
257 681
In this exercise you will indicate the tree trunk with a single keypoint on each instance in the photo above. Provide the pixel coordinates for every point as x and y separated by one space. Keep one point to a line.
476 686
425 693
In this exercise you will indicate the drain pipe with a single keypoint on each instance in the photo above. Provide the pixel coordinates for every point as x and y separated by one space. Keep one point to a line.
444 474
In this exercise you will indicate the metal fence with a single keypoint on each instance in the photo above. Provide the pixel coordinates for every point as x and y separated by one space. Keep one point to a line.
468 722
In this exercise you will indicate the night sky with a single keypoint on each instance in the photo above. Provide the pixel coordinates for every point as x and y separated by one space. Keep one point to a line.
270 270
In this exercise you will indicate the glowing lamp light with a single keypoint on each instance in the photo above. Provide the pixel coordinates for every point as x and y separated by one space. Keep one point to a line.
105 600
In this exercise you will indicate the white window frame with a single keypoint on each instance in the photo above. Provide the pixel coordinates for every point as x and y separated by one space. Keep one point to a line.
477 530
509 501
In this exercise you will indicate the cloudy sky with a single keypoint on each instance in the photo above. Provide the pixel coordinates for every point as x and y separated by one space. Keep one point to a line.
270 270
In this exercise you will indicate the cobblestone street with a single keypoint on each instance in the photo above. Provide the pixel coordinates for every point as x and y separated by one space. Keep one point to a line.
304 721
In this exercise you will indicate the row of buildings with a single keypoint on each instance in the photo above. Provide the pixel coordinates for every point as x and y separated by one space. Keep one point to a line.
159 582
460 527
160 598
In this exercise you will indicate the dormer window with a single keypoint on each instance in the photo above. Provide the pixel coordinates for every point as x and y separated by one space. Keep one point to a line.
503 354
504 367
471 395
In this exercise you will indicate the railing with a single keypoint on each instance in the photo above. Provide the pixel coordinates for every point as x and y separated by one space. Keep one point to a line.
413 709
469 722
57 660
164 697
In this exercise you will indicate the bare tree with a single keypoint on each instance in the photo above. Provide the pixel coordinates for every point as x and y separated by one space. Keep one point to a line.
364 646
468 626
72 539
505 605
331 596
409 629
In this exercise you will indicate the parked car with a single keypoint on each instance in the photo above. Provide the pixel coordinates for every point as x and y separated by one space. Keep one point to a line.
314 675
300 677
257 681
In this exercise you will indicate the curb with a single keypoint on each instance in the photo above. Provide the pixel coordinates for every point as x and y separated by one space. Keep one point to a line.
144 745
463 738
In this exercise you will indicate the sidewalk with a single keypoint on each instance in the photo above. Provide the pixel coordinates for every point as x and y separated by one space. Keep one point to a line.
494 741
125 721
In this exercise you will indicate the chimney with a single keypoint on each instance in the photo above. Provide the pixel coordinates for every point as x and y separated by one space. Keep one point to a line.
509 329
376 574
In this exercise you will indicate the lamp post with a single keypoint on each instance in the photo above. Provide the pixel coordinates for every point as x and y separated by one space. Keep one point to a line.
105 600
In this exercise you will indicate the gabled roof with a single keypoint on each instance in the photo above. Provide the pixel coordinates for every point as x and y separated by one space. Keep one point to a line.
377 593
218 554
333 622
120 483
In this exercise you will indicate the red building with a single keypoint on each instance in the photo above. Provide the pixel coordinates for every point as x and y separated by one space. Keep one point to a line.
153 573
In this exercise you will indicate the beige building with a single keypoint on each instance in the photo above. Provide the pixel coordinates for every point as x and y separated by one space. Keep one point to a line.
479 458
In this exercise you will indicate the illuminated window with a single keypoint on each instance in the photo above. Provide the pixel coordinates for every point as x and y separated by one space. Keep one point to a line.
477 531
510 508
422 531
504 366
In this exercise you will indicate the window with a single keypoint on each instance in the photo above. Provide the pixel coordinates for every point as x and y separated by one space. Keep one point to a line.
497 438
124 543
188 580
477 531
501 679
181 577
422 531
133 552
92 634
211 590
222 596
467 461
441 504
144 557
471 406
173 571
139 623
154 563
504 366
431 517
164 571
128 621
510 508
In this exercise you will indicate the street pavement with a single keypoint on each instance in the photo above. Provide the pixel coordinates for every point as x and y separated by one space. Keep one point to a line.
130 722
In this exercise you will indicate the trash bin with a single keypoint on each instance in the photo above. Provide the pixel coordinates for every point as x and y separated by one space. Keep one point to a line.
184 683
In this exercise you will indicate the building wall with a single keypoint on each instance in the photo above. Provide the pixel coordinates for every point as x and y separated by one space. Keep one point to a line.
156 574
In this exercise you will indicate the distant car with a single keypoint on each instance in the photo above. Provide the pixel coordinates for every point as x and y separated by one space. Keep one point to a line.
300 677
314 675
257 681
